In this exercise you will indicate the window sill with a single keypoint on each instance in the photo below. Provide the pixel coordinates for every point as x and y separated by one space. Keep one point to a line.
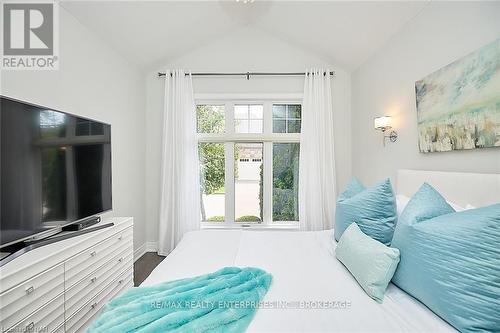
250 226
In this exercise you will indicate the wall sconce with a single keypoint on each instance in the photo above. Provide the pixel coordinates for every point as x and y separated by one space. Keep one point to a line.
383 124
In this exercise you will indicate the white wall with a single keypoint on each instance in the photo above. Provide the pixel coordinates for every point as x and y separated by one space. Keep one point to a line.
244 50
95 82
442 33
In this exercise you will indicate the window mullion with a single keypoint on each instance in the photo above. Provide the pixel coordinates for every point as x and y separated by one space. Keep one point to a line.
268 118
268 183
286 118
268 164
229 181
229 163
281 137
229 118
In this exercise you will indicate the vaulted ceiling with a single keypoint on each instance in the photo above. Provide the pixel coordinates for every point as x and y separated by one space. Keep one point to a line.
146 32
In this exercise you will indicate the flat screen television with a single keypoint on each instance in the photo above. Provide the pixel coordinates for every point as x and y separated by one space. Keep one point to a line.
55 170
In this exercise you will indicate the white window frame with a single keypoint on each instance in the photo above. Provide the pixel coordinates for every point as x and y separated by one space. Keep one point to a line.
229 138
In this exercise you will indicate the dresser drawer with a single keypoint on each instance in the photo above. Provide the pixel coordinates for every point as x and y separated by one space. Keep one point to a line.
46 319
87 288
95 256
82 318
23 299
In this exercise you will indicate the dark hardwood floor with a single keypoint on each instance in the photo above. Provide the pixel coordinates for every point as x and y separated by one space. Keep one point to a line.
144 265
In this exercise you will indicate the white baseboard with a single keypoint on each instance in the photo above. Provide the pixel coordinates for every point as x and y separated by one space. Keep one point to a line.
139 252
151 246
146 247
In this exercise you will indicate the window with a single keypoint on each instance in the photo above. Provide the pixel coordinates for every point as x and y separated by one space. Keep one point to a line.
210 118
248 182
286 118
212 178
248 118
249 162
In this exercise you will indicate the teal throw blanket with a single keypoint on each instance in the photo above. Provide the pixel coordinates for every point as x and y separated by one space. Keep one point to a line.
223 301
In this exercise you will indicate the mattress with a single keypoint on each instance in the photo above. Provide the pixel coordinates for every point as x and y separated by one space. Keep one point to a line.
311 290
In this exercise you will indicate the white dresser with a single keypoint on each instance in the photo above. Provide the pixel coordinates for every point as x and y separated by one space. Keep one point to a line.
61 287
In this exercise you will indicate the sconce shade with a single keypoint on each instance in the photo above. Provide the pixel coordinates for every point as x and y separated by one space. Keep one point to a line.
382 123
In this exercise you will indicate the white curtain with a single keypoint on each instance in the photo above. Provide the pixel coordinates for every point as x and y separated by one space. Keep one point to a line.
180 196
317 162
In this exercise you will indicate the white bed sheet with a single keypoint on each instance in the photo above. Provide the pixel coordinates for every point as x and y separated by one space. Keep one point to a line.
304 268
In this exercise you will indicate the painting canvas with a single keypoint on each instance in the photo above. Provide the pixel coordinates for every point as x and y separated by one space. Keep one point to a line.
458 106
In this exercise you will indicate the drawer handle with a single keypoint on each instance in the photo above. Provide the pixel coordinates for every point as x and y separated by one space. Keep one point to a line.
120 260
93 306
93 254
30 290
30 326
121 237
94 279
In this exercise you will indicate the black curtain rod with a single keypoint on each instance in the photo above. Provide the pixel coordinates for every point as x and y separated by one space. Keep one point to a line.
247 74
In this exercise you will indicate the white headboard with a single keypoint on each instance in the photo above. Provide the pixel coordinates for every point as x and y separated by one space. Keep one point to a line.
477 189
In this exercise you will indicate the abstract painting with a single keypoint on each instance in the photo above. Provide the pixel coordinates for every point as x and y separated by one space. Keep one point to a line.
458 106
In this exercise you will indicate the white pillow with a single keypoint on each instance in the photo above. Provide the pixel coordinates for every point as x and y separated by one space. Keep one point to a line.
456 207
401 202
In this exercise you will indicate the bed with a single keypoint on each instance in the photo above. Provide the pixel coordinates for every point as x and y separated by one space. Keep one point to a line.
312 290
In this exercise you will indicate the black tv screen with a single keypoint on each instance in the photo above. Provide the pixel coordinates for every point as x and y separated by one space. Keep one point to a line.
55 169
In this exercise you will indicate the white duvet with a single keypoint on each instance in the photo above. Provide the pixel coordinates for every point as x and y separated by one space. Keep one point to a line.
306 275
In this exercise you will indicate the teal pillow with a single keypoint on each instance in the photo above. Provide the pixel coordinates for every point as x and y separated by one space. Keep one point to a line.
373 209
370 262
353 188
450 261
